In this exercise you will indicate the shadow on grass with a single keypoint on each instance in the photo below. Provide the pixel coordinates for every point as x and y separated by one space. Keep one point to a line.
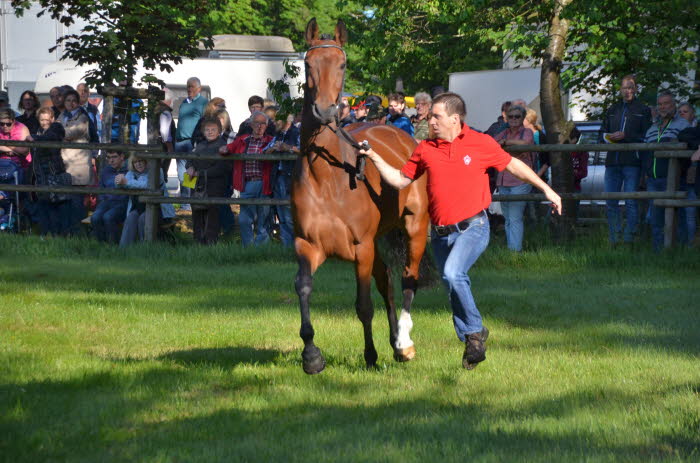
225 357
137 416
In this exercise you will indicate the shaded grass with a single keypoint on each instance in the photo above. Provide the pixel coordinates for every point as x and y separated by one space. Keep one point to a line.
160 353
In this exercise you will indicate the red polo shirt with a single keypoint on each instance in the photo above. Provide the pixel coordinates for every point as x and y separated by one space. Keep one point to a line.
458 185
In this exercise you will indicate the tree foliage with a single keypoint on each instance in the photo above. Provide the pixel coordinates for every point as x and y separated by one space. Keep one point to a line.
121 34
656 41
419 41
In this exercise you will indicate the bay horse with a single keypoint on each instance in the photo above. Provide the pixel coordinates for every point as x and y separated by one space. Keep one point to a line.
339 213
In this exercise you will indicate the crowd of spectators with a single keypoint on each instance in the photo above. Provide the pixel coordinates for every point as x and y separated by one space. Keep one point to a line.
205 127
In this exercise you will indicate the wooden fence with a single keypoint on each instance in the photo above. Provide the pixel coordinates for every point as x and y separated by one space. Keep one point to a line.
671 199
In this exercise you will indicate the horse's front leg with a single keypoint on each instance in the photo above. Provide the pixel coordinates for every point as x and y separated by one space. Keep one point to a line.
364 262
312 359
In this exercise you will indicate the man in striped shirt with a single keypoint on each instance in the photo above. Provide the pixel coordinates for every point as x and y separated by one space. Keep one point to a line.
253 179
664 129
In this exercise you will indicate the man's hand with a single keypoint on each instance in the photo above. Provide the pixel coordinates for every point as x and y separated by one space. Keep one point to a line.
191 172
695 156
391 175
617 136
555 199
223 150
120 179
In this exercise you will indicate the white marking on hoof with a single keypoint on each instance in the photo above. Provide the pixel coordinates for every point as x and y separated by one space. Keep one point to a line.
405 325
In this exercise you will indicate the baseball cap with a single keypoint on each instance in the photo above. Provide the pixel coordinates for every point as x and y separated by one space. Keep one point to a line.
4 96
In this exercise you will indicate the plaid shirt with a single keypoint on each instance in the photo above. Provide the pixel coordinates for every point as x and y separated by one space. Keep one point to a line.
253 169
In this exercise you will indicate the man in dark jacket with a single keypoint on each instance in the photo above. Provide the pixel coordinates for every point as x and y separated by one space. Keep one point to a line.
624 122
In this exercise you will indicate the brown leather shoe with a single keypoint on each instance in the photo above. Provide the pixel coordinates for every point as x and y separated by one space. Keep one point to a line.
474 350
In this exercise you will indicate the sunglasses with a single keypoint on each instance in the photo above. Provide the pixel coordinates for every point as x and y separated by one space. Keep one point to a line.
6 124
515 117
112 157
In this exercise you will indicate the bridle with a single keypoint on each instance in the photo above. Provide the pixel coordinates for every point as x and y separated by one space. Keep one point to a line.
338 129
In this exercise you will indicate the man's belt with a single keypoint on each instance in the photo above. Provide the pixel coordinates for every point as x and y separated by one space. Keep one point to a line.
444 230
253 179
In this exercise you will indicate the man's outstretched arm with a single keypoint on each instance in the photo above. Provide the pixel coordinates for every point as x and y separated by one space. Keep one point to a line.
519 169
390 175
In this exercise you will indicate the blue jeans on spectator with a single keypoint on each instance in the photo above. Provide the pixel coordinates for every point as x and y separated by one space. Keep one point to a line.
454 255
184 146
513 213
108 215
76 212
53 218
281 191
622 178
657 213
687 217
253 219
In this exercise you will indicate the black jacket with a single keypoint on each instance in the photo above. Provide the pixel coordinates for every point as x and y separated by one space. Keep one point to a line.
217 173
636 119
47 161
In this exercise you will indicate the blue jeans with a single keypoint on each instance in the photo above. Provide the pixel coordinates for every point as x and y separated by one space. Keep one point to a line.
281 191
657 213
622 178
227 219
184 146
513 213
108 215
253 219
687 217
455 254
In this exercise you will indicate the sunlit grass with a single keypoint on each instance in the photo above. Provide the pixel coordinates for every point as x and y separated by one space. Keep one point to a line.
188 353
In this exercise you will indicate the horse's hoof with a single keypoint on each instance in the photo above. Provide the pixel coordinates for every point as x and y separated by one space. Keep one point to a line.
371 359
313 361
405 355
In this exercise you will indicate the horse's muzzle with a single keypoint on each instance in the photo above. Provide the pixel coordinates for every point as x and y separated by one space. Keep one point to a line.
325 116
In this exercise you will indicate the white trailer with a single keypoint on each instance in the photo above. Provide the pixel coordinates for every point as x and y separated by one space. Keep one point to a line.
237 68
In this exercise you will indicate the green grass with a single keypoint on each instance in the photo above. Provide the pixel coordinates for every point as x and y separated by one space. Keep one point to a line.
186 353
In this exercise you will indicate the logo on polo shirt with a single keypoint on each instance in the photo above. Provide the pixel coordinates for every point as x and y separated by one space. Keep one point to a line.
467 159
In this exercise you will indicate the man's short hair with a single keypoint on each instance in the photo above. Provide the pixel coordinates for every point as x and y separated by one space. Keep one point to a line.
505 106
631 77
258 114
398 97
663 93
75 93
422 96
211 121
454 104
112 150
255 99
196 80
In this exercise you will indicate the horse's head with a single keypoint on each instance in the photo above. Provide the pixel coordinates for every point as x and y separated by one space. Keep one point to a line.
325 71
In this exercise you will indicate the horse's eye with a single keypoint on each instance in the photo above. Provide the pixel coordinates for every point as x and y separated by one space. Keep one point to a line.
342 66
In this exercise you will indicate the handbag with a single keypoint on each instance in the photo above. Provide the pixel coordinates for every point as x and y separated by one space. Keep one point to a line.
54 179
200 192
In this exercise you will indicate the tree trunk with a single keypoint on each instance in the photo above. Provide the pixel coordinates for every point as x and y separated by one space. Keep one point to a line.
555 124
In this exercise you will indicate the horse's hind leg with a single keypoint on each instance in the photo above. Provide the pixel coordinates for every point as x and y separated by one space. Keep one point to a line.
417 236
312 359
382 277
364 261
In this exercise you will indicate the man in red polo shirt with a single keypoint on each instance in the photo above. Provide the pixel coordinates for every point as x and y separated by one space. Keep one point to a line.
458 192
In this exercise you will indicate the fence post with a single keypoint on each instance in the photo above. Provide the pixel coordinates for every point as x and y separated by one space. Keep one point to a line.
670 213
154 176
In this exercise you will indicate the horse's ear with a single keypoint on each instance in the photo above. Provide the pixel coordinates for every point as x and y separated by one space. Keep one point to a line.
341 33
311 31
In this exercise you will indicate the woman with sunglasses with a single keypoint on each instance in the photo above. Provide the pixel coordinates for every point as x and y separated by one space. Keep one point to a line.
508 184
10 129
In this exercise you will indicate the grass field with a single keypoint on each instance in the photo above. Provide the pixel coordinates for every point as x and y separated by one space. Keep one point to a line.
178 354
